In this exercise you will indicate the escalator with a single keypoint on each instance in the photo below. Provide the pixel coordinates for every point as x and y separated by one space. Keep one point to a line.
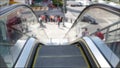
83 53
19 47
75 55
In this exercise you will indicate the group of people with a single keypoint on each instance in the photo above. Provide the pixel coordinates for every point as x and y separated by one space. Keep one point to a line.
49 18
46 18
98 33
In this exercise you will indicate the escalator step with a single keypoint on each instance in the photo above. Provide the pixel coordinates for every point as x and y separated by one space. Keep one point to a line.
59 57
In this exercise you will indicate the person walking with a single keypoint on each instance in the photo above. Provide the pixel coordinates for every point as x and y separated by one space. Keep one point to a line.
43 18
40 22
46 17
99 34
85 32
59 21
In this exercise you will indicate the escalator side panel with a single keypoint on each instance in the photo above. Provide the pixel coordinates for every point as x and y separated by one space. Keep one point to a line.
22 60
97 54
107 53
89 57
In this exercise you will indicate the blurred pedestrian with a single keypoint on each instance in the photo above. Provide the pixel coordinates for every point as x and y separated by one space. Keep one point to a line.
85 32
43 18
59 21
55 18
71 20
51 18
99 34
40 21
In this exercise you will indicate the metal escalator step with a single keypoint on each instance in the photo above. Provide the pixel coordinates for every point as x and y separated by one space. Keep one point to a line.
77 61
59 50
60 57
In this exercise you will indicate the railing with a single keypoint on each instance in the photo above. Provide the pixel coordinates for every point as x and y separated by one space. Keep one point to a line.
102 16
111 32
17 24
112 37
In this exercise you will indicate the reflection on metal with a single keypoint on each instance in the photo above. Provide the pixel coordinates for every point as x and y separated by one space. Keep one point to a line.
99 57
105 50
25 53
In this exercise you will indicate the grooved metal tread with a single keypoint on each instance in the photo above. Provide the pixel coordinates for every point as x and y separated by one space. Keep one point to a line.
59 57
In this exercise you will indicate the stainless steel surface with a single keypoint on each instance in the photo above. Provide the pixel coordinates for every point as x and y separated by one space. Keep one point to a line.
109 54
99 57
25 53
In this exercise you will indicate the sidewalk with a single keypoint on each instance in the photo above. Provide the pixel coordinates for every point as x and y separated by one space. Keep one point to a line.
52 30
55 32
71 18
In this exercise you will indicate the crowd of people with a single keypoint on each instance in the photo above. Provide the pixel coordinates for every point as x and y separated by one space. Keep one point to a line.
50 18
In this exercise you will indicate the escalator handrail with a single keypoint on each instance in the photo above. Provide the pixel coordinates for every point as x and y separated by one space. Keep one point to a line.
25 53
113 9
105 51
97 54
11 7
103 6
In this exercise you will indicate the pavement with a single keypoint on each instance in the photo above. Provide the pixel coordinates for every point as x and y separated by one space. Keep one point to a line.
52 31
